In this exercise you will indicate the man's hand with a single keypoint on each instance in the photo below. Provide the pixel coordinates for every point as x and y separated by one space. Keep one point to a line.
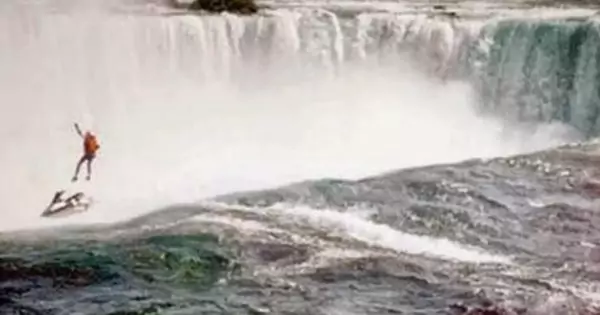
77 129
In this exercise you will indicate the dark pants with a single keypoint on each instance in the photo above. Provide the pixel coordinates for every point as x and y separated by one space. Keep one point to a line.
89 157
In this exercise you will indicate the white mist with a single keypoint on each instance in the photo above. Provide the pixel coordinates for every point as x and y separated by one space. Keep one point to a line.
187 107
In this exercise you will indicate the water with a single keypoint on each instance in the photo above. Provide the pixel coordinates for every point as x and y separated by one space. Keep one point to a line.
311 93
187 108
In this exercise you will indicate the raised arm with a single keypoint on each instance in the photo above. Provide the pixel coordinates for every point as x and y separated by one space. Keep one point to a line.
78 130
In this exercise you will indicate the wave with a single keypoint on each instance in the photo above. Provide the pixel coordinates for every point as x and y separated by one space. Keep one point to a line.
352 224
455 232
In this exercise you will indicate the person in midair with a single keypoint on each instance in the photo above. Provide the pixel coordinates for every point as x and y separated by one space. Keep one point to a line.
90 146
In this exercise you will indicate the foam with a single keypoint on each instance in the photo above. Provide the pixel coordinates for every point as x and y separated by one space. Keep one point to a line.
357 227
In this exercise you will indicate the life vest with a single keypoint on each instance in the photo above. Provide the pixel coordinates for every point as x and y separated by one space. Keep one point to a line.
90 145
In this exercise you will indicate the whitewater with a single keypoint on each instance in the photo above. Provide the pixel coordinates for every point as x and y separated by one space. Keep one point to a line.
187 107
316 158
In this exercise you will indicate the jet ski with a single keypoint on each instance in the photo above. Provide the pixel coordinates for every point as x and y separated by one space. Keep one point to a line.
60 206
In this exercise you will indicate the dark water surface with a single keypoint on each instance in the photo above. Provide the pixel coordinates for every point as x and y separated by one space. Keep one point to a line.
520 233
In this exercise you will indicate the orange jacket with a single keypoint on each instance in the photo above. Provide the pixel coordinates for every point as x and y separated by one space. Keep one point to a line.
90 144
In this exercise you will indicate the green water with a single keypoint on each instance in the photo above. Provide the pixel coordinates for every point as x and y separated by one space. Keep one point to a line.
132 276
543 71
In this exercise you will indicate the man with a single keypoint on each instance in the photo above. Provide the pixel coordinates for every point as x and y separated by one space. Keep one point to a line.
90 146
